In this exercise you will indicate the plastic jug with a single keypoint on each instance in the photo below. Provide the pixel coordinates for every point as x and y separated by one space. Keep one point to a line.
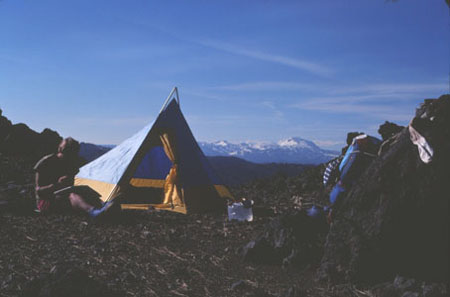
237 211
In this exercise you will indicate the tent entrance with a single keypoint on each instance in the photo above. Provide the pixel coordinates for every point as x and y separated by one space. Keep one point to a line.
148 187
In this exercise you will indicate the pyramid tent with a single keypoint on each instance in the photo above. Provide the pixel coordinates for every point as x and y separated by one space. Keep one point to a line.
161 166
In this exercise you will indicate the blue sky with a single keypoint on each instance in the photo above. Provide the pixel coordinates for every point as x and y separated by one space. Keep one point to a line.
246 70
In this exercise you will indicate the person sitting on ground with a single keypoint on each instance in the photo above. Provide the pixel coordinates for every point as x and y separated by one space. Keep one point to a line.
57 171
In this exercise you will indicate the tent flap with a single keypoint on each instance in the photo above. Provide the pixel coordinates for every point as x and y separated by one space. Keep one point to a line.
172 193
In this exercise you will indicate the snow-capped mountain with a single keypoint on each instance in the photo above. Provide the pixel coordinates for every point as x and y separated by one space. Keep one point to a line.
291 150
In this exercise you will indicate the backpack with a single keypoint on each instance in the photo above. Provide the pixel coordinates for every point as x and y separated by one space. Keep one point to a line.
358 156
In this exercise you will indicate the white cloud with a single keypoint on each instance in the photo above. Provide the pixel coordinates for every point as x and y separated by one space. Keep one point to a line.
391 101
115 122
395 88
135 52
203 94
265 85
339 105
328 143
272 106
394 92
305 65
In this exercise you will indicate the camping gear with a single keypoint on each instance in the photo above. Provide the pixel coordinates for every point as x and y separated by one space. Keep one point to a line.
358 156
241 211
160 167
96 212
425 150
315 212
336 192
330 173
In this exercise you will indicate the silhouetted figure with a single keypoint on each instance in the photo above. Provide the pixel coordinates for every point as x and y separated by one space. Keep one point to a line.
57 171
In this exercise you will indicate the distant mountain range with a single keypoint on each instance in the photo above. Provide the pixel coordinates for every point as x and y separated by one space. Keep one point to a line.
241 163
91 151
292 150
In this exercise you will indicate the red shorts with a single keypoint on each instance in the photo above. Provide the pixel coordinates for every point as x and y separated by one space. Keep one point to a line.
58 203
43 205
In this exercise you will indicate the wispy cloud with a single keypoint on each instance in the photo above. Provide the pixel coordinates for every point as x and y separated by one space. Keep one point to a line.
271 105
342 105
328 143
300 64
393 89
384 101
198 93
265 85
115 122
404 91
137 52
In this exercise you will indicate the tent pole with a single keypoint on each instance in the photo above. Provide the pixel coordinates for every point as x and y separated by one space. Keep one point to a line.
174 91
177 96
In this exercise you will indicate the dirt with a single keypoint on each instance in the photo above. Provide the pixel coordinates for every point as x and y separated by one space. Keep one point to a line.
155 253
143 254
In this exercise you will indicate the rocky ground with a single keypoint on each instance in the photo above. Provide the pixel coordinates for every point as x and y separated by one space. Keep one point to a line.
162 253
150 253
137 254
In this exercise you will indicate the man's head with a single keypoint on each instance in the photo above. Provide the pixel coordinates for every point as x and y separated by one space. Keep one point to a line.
68 148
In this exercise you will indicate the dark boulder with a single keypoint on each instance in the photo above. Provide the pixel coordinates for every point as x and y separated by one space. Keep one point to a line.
291 240
388 129
394 220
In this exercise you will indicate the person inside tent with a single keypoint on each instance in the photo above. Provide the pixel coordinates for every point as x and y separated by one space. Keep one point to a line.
55 172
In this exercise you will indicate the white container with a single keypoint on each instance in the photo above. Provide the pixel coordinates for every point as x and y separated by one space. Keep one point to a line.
237 211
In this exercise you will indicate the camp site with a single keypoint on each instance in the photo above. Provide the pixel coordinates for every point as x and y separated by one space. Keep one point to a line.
224 148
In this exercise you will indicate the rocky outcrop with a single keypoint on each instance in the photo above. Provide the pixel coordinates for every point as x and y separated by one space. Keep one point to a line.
394 220
20 149
388 129
18 140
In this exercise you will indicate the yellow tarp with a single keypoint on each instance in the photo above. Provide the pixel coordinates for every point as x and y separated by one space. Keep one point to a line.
147 182
104 189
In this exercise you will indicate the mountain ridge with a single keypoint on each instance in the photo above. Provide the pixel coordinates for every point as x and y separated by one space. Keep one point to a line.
291 150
